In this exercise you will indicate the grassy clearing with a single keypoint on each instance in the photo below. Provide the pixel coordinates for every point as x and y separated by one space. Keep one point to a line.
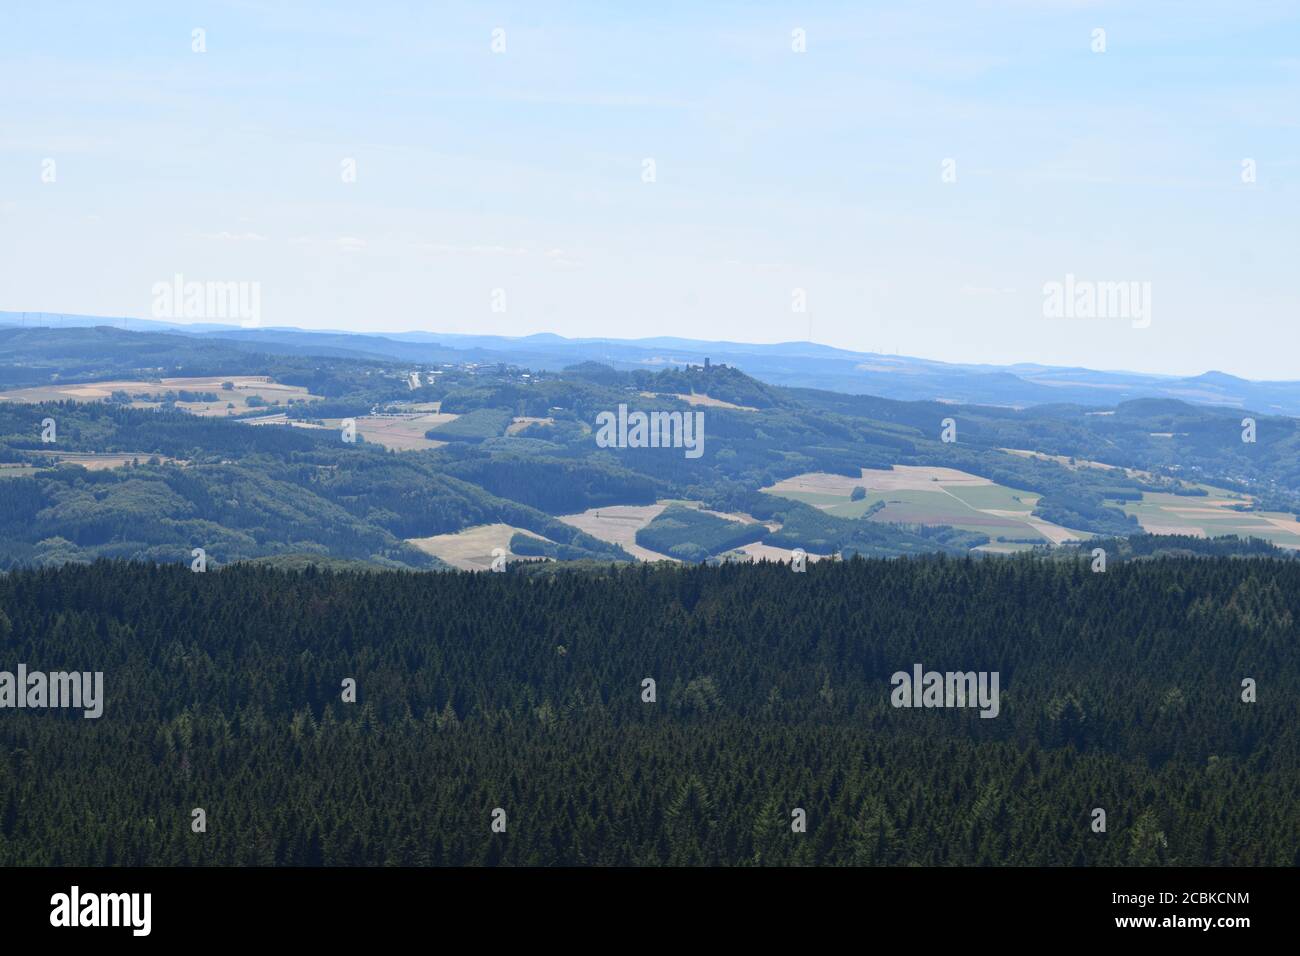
17 471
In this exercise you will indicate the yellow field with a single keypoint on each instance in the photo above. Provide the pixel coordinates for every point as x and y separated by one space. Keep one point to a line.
1212 516
1080 462
899 478
279 419
618 524
931 496
998 547
471 549
102 462
401 432
703 400
245 387
519 424
759 552
15 470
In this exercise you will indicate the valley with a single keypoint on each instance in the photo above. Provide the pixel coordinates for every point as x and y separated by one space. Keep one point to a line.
454 461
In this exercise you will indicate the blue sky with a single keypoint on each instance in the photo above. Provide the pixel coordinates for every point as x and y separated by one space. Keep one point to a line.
774 170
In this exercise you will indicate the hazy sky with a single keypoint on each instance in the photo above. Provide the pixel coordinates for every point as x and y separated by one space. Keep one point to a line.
524 170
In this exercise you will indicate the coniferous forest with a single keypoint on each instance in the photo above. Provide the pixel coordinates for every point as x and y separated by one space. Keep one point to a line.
524 692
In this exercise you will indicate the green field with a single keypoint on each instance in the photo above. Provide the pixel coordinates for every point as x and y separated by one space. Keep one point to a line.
930 497
937 507
997 497
1212 516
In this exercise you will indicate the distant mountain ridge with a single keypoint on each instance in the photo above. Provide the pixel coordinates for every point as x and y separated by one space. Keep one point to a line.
794 364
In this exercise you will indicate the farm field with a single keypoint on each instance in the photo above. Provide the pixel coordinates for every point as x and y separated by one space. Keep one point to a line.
701 400
757 551
245 387
618 524
1077 463
931 496
400 432
1002 547
471 549
519 424
279 419
1212 516
725 515
92 461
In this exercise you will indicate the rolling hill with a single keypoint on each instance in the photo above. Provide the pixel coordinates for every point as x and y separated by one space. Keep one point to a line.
144 463
792 364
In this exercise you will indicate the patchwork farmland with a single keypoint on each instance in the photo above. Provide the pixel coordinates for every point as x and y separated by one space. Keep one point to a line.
402 432
930 496
1213 515
245 393
618 524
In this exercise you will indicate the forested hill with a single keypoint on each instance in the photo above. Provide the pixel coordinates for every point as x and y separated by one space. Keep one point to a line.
220 466
790 364
1120 690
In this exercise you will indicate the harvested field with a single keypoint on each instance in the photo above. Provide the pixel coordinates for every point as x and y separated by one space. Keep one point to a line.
519 424
701 400
471 549
12 470
618 524
102 462
245 387
1212 516
1081 462
927 495
279 419
759 552
402 432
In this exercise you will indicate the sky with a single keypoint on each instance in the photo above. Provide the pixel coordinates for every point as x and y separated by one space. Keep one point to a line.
899 177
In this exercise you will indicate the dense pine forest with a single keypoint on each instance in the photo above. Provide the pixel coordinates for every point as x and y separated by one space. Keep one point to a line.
524 691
